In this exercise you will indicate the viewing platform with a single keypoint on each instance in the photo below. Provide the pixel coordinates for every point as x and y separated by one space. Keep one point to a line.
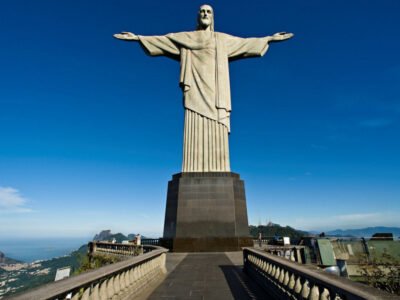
247 274
206 276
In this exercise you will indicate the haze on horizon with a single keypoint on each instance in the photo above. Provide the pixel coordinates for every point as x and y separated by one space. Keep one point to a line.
91 129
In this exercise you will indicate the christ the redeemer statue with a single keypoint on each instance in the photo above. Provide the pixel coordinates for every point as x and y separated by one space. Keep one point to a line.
204 56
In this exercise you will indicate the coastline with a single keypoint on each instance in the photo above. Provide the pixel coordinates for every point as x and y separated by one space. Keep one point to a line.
29 250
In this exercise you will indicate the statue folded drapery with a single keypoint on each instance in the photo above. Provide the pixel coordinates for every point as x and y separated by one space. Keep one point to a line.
204 78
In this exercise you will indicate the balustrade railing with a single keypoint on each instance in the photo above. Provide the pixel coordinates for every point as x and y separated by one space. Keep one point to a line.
264 241
284 279
154 242
118 280
290 252
118 249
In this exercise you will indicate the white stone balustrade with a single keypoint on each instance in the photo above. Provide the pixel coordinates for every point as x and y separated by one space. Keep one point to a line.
284 279
117 249
291 252
115 281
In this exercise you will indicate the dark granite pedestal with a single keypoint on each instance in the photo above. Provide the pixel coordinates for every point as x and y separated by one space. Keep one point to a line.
206 212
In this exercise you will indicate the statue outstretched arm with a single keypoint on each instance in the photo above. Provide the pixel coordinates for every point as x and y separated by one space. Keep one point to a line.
126 36
280 36
153 45
239 48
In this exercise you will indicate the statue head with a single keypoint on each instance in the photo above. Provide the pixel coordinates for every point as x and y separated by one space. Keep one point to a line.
205 18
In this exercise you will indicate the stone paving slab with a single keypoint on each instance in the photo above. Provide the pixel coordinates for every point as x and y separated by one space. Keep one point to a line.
206 276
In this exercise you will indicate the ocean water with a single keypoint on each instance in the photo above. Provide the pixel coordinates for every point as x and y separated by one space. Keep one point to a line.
29 250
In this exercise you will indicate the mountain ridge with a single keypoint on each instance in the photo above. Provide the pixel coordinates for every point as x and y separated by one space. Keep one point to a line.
107 235
364 232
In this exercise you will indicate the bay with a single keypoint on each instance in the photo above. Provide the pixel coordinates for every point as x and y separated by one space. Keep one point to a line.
29 250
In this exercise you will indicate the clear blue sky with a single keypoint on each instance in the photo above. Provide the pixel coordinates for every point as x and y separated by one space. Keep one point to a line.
91 127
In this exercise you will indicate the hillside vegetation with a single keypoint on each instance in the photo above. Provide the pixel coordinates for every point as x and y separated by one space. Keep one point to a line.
272 230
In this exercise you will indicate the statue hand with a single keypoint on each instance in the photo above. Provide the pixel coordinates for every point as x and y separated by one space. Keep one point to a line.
126 36
281 36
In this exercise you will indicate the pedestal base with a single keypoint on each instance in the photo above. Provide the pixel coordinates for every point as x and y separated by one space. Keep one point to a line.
206 212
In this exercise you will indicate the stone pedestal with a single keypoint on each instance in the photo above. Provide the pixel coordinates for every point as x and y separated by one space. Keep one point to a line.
206 212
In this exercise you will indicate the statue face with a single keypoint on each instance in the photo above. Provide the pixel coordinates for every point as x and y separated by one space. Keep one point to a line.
206 16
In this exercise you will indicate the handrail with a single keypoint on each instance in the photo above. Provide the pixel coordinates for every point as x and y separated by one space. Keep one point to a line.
288 280
291 252
118 249
106 281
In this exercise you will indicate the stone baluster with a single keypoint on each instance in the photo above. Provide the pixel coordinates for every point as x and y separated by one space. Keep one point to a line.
144 272
86 294
277 273
147 267
270 269
299 256
281 275
298 286
305 291
117 287
110 287
263 264
136 275
75 295
127 278
273 271
325 295
286 279
163 262
95 292
314 293
103 290
122 281
140 275
154 264
131 276
292 282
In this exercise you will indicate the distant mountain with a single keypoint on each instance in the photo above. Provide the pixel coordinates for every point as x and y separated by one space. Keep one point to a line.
364 232
106 235
132 236
102 236
275 230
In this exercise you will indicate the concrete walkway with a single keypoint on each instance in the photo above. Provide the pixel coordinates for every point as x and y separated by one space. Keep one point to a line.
206 276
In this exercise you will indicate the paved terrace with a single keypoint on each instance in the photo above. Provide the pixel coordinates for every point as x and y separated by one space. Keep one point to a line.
158 274
205 276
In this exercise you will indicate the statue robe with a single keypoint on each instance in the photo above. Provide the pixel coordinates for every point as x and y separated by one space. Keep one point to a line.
204 79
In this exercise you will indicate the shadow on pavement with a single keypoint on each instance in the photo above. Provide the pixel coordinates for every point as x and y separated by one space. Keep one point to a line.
241 286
